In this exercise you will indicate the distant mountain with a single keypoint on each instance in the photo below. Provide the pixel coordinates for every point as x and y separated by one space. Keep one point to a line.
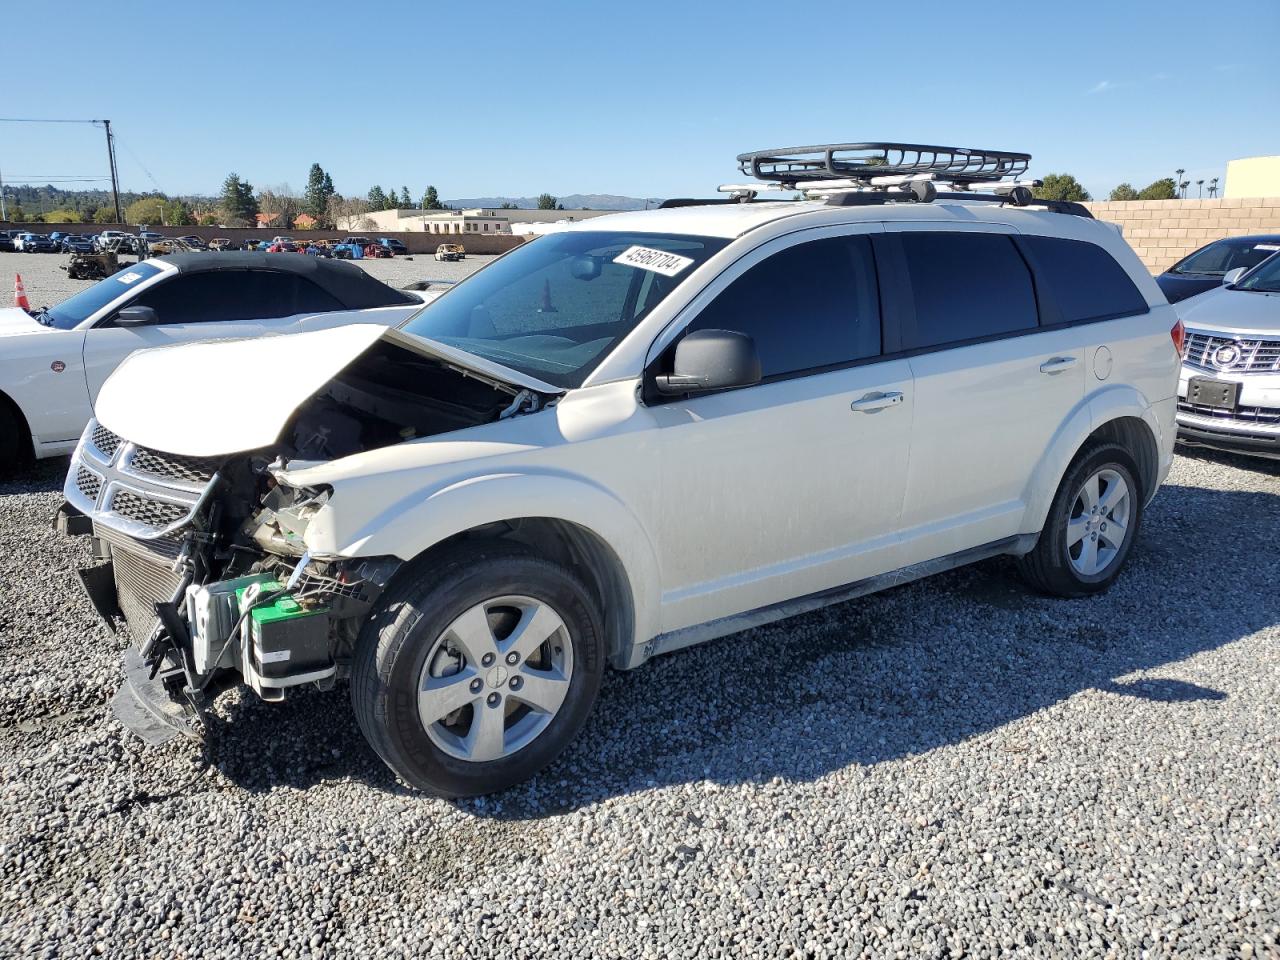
574 201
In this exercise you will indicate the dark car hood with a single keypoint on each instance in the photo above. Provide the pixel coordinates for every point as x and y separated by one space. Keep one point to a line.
1178 286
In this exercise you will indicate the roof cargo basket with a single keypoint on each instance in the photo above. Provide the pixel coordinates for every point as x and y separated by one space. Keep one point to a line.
863 161
857 174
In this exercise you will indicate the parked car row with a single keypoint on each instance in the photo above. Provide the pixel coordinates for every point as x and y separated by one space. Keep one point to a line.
118 241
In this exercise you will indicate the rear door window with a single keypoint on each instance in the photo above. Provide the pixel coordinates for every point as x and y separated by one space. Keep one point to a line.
1084 280
966 286
810 306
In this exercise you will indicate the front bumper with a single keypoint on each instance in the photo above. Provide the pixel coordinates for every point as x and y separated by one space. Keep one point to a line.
1253 428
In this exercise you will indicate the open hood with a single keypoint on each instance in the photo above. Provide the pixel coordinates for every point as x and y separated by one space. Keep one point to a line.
219 397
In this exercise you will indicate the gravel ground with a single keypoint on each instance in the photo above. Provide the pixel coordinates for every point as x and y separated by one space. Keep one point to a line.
953 768
46 282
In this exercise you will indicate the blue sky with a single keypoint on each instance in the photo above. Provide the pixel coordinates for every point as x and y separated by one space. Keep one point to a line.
645 99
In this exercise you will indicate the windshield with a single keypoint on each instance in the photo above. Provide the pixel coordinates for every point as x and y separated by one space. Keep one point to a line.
1265 279
76 310
1217 258
555 307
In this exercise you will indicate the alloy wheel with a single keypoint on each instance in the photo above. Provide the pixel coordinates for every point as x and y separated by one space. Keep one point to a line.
495 678
1098 522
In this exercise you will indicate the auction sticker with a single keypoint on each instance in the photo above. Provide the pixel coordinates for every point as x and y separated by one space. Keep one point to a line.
657 261
1266 246
129 278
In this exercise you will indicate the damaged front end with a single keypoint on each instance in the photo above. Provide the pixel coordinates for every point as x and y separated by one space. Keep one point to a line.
205 558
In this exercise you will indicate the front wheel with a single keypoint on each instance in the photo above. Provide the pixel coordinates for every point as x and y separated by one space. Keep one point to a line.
1091 526
477 669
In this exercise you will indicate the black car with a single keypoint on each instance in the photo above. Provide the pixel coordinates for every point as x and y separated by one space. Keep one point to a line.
396 247
1204 269
75 244
6 240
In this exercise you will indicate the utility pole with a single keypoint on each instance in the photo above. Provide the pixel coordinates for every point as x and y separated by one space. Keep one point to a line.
4 214
115 182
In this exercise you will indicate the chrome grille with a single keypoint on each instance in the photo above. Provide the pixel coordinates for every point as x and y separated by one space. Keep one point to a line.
1256 355
88 483
174 466
141 493
105 440
154 513
1264 415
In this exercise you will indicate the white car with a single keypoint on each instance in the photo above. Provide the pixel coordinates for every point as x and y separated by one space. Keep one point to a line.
108 237
646 431
1229 391
53 363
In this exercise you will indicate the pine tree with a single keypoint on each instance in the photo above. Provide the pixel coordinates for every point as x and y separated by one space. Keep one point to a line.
377 199
319 190
431 199
405 200
238 201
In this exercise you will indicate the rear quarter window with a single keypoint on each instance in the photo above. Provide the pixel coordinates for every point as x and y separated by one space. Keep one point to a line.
1083 280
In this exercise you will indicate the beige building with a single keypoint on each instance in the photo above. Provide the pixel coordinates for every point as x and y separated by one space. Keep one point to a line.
458 222
1253 177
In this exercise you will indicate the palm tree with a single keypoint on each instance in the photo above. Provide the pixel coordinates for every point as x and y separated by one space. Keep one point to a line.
1199 189
1213 188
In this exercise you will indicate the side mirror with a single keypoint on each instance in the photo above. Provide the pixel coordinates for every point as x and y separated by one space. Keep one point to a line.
1231 276
711 360
137 317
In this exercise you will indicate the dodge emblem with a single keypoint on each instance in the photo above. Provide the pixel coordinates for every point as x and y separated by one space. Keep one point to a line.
57 366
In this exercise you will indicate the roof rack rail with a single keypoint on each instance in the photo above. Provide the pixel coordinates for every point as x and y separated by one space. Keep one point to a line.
864 161
855 174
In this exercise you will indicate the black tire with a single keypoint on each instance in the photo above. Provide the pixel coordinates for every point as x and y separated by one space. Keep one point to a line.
416 610
15 441
1049 567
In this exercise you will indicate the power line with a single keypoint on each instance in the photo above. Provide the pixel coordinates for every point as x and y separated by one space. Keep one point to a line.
129 150
42 120
111 152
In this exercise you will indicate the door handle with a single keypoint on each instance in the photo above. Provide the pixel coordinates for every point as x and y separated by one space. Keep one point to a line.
1058 364
876 401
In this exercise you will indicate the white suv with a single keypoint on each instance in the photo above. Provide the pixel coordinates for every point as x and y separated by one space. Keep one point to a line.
640 433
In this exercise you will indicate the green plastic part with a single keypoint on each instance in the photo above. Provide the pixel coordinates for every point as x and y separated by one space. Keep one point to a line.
282 608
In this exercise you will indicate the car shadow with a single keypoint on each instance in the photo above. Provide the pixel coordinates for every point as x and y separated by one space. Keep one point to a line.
1263 465
883 677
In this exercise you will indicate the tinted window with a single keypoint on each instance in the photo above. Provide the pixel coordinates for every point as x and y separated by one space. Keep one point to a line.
965 286
1084 280
228 295
813 305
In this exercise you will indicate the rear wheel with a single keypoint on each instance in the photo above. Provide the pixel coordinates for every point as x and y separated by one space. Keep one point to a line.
478 669
1091 526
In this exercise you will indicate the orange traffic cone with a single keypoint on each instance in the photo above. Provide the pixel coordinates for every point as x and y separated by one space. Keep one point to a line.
20 294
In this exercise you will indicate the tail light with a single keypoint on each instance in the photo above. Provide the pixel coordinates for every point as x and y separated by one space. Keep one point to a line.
1179 334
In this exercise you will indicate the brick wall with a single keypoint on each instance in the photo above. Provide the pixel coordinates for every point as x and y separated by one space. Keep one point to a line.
1164 231
418 242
